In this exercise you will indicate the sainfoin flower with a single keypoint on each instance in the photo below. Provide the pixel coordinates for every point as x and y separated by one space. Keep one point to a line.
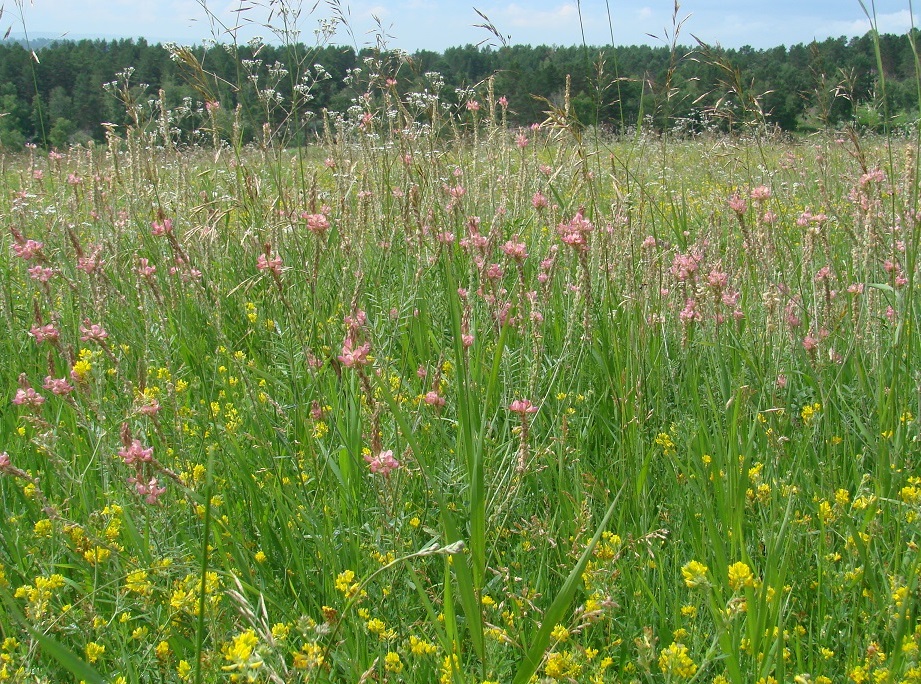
58 386
92 332
149 489
48 332
522 407
136 453
28 397
266 262
382 464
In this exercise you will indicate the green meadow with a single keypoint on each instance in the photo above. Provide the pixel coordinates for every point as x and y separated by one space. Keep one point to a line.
441 399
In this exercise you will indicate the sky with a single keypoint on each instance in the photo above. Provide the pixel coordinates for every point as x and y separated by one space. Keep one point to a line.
425 24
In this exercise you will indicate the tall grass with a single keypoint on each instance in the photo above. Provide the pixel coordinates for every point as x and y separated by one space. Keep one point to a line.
440 399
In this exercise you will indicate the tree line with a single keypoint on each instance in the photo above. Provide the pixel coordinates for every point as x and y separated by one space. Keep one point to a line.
64 92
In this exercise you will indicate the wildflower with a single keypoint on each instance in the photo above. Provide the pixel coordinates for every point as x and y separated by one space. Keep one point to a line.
241 654
575 232
148 490
522 141
522 407
740 575
267 262
434 399
562 666
761 193
392 663
92 332
738 205
144 269
43 333
539 201
136 453
383 463
560 633
695 574
28 397
93 651
353 356
28 250
515 250
674 661
40 273
58 386
317 224
473 106
165 228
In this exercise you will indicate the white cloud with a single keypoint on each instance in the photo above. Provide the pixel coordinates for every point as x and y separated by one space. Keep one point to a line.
644 13
892 22
523 17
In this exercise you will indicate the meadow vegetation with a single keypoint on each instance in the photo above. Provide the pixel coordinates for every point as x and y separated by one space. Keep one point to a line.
442 399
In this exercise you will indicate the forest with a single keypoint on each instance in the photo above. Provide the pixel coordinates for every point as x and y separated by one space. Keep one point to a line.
63 92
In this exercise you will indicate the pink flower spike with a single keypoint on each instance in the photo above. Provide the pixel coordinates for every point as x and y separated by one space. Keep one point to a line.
434 399
28 397
48 332
28 250
382 464
265 262
158 229
515 250
5 461
92 332
737 204
136 453
58 386
522 407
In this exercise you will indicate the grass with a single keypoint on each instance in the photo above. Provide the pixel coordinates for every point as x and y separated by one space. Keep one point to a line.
458 402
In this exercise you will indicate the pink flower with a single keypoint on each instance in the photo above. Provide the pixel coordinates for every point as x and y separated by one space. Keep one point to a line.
761 193
41 273
5 461
434 399
136 453
28 250
266 262
538 201
521 141
150 408
503 101
28 397
522 407
467 341
717 280
92 332
317 224
473 106
382 464
149 490
737 204
810 343
823 274
689 314
164 228
575 232
58 386
515 250
47 332
352 356
144 269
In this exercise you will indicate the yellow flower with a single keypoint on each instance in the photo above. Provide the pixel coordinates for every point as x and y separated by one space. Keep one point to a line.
674 661
560 633
419 646
694 573
392 663
562 666
740 575
93 651
261 557
241 653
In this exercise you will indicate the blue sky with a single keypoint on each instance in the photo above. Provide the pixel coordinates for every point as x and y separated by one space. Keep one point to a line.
426 24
